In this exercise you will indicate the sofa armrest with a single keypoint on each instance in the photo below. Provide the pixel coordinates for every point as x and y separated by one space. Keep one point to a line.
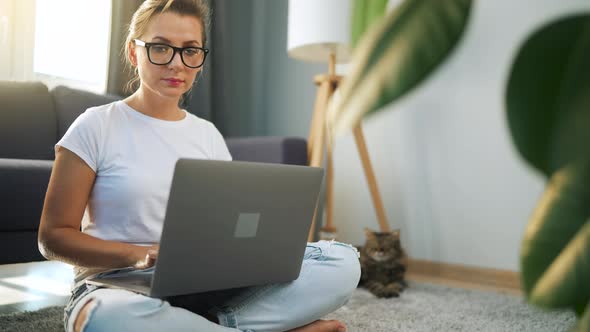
24 184
269 149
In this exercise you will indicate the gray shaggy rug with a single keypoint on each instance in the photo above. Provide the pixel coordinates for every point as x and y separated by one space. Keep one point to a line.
421 307
426 307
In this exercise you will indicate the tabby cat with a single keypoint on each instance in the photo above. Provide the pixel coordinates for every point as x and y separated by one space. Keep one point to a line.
382 264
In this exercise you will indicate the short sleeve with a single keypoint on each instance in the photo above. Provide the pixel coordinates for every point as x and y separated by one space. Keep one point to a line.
83 138
219 149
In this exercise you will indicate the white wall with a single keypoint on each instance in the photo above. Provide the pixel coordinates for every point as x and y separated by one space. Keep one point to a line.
447 170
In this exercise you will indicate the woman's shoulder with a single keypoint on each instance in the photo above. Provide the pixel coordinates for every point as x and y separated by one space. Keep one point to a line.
105 109
99 111
198 121
98 117
103 113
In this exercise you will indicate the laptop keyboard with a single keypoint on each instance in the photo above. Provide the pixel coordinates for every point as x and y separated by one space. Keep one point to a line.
135 279
144 279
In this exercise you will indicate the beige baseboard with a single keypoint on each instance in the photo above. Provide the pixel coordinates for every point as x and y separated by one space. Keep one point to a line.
464 276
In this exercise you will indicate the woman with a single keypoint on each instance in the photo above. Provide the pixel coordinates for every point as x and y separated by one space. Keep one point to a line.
117 160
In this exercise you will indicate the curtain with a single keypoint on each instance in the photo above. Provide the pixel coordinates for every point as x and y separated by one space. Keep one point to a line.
118 73
207 99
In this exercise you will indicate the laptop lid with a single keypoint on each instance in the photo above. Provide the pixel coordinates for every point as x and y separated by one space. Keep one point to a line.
234 224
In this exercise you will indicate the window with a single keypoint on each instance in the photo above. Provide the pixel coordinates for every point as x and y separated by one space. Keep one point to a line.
16 39
72 42
5 54
56 41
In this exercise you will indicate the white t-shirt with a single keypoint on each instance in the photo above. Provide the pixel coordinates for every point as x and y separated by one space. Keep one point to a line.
133 156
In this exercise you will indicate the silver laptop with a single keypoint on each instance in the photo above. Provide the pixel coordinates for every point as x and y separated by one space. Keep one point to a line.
228 225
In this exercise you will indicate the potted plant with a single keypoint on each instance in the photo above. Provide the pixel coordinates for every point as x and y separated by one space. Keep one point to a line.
548 112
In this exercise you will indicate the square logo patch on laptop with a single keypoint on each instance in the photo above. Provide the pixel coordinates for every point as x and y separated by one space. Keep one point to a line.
247 225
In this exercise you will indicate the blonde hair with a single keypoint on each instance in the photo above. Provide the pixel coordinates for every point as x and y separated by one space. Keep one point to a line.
149 9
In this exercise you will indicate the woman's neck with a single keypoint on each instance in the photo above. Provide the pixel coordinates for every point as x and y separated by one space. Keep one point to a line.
156 106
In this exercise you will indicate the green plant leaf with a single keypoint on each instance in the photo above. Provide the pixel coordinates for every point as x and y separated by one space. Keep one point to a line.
364 13
548 94
555 254
583 324
565 283
396 54
548 110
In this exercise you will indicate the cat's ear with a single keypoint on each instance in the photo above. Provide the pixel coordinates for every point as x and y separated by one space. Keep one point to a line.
369 233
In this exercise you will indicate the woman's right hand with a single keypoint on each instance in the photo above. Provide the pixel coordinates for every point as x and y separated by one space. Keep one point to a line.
147 257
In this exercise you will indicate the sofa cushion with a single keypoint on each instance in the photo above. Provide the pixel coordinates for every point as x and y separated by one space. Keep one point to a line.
269 149
23 184
69 103
28 124
19 247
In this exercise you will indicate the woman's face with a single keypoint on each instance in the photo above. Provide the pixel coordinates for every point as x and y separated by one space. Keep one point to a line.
173 79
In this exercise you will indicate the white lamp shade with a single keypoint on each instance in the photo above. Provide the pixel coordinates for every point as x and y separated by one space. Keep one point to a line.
318 28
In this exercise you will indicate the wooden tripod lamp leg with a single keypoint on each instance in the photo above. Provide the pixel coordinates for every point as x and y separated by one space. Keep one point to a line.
319 124
317 134
317 139
370 175
328 232
316 121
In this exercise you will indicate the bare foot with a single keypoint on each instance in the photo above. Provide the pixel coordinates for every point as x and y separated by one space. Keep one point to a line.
322 326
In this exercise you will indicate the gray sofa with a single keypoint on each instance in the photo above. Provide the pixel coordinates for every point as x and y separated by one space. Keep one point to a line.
33 119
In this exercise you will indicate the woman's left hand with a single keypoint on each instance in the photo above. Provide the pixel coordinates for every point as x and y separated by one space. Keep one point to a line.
149 256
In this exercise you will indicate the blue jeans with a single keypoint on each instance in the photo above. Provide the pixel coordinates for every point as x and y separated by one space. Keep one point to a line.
329 274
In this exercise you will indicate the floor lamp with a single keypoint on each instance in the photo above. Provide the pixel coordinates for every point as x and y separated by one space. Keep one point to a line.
319 31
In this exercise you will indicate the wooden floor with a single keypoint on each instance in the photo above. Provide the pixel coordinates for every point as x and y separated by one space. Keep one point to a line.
461 276
461 284
32 286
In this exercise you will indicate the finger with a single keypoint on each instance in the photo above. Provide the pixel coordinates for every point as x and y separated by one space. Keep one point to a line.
152 254
151 262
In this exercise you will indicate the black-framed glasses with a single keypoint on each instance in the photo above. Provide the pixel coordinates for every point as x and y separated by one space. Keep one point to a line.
162 54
